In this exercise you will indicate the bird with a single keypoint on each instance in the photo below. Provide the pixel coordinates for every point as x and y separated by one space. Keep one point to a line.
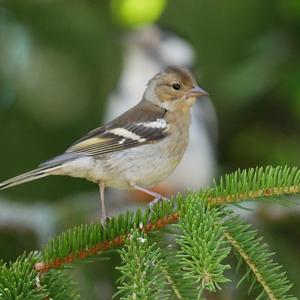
136 150
146 50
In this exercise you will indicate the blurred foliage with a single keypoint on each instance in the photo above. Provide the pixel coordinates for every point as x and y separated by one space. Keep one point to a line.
249 60
59 61
58 83
17 240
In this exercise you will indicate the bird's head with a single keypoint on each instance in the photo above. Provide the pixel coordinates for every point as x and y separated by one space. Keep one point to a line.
174 88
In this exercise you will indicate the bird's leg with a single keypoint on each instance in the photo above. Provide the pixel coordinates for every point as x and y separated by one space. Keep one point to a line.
102 202
157 197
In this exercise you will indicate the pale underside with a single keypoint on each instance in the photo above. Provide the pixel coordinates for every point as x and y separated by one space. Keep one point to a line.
145 165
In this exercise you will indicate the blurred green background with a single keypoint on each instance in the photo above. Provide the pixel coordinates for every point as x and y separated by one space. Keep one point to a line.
59 60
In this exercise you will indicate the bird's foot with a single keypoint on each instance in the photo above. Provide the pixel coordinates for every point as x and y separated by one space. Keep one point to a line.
104 220
157 199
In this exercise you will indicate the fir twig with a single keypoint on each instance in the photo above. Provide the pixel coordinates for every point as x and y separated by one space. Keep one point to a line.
262 269
203 247
181 286
255 184
198 218
60 286
176 291
88 240
90 231
19 280
141 277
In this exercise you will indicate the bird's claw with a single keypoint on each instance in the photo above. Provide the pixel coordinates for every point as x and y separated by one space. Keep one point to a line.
156 200
104 220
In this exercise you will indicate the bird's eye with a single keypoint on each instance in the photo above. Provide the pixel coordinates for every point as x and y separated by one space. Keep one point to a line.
176 86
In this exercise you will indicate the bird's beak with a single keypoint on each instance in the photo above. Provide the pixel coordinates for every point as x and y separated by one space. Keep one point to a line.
196 92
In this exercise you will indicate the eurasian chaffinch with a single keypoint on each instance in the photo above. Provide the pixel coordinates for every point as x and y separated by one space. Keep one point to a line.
138 149
146 50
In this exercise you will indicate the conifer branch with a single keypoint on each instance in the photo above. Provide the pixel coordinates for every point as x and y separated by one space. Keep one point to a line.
251 265
88 240
19 280
171 283
118 240
60 286
203 247
261 268
141 276
254 184
183 288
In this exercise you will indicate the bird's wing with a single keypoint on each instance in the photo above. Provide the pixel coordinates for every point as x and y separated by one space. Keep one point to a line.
118 138
142 124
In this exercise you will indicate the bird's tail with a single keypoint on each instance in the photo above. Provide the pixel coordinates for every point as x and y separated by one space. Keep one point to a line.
29 176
